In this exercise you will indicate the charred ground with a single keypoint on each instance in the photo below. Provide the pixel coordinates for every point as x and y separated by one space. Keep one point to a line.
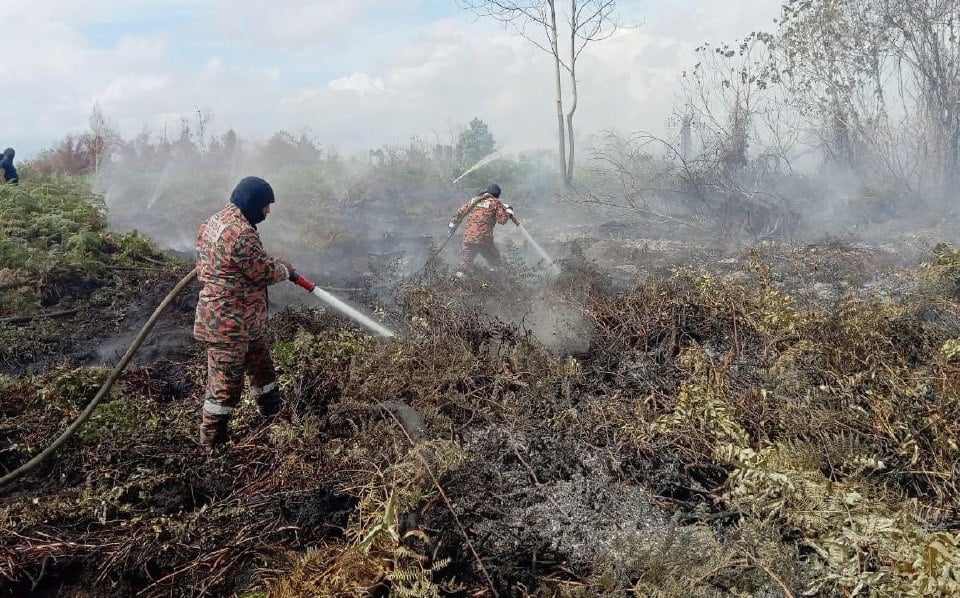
769 421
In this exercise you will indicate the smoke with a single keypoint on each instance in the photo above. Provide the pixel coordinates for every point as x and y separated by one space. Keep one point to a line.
346 222
359 225
559 326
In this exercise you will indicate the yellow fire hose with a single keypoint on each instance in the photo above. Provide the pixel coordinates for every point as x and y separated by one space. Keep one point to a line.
105 388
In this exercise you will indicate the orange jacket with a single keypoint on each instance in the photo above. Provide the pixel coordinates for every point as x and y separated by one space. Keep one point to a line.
235 272
482 214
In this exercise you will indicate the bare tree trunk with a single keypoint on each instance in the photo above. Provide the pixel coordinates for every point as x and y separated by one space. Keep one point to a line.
686 137
561 142
573 92
589 21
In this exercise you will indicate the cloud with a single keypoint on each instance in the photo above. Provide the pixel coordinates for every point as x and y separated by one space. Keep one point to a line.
360 83
139 51
344 70
290 24
131 88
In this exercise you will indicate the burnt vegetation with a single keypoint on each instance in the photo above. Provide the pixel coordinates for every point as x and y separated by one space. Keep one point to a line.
762 421
739 377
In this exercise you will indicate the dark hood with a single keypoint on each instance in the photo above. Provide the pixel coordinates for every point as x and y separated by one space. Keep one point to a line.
250 195
9 153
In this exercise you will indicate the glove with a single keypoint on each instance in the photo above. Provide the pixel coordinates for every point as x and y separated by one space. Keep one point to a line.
450 230
286 265
509 209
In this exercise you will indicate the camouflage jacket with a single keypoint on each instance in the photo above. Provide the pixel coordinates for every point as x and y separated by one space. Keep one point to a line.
235 272
482 214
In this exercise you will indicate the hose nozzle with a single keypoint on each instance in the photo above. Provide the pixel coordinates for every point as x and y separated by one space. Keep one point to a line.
301 281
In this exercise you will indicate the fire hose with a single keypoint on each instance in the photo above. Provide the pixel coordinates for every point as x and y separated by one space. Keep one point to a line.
105 387
439 250
295 277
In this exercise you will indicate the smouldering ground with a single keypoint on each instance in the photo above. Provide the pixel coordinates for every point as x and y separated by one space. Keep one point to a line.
660 419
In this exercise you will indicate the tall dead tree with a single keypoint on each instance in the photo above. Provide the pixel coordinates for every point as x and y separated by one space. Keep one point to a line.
545 23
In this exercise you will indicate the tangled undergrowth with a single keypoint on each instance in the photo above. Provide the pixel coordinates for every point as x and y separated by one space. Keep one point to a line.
710 433
59 260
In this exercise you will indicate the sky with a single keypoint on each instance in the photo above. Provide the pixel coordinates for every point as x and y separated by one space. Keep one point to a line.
352 74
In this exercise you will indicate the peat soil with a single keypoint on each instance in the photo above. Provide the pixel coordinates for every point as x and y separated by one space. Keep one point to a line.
131 507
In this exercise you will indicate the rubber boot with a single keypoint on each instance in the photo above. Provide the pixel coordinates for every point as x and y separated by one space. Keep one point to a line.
270 404
214 431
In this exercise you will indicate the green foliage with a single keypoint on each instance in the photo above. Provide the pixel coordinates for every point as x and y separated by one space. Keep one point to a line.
306 351
820 421
74 386
135 246
377 528
776 310
316 364
37 219
475 143
861 545
54 238
702 406
117 419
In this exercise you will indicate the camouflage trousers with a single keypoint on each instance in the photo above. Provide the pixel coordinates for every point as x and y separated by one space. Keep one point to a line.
488 250
226 365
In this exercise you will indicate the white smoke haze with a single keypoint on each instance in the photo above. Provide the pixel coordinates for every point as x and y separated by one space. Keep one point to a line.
362 148
358 224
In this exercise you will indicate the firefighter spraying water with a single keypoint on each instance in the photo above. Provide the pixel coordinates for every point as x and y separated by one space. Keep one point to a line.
482 214
235 272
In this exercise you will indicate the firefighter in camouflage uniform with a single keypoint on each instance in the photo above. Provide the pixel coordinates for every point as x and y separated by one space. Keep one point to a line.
482 214
235 272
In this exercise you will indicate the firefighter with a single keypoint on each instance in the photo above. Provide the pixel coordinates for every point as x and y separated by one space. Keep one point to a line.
482 214
9 170
235 271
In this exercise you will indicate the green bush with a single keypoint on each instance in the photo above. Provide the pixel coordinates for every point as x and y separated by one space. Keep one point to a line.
53 237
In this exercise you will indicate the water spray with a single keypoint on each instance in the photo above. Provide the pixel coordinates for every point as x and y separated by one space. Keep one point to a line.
485 160
552 266
353 314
